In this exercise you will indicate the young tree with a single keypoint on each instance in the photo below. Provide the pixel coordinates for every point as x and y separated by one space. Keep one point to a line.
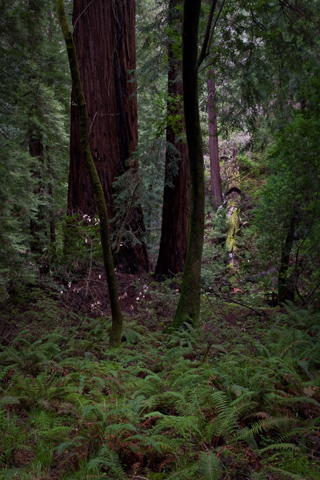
175 211
288 214
116 329
104 37
215 178
188 309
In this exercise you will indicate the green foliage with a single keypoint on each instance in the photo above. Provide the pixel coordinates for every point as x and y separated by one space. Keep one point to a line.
80 244
237 398
209 466
177 401
33 107
290 200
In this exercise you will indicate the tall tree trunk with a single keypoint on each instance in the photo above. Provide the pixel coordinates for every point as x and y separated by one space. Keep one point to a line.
216 189
233 205
38 224
188 309
38 227
104 36
117 320
175 212
285 290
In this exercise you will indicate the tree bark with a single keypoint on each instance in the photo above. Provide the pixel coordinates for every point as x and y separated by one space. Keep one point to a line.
104 36
175 212
233 206
188 309
117 321
216 189
285 290
38 226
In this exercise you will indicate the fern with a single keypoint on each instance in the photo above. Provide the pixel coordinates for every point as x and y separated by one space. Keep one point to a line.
280 446
190 472
229 413
106 460
14 473
265 425
209 466
286 475
146 441
186 426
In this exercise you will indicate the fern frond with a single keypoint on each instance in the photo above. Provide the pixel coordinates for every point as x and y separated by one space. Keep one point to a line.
189 472
286 474
9 400
109 460
229 413
149 441
117 428
186 426
265 425
302 399
280 446
209 466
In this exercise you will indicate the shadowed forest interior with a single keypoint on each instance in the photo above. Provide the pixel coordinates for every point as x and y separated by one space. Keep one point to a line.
160 239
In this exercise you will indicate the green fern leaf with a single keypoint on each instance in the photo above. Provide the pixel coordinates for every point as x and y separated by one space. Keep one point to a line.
280 446
209 466
287 474
9 400
147 440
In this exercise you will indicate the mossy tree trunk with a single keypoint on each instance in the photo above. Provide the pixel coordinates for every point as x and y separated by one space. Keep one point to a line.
188 309
233 206
175 212
115 335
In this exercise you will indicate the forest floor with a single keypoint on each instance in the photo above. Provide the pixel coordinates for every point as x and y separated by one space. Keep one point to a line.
237 399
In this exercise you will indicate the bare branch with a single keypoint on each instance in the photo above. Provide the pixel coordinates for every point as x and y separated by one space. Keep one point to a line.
204 50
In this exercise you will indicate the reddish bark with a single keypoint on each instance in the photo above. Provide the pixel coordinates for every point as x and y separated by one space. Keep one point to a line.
175 213
104 36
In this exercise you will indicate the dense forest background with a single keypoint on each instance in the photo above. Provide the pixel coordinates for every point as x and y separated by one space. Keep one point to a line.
159 239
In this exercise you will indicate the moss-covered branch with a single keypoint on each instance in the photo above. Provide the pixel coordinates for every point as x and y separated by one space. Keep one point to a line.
115 335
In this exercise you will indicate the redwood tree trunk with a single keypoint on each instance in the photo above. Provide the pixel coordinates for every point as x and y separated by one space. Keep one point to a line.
117 319
216 189
175 212
104 36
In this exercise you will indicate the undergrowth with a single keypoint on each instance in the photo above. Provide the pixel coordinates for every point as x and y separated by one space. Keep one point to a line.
239 399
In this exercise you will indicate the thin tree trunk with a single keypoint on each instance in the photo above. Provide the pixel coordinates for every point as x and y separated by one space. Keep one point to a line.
216 189
116 329
104 36
233 205
188 309
175 212
285 291
38 224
